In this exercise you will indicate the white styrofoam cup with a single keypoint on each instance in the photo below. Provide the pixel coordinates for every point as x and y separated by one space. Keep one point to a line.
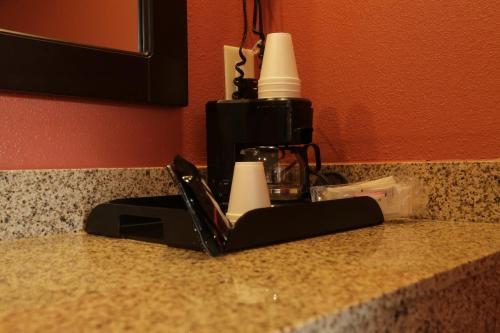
279 76
248 189
280 93
279 89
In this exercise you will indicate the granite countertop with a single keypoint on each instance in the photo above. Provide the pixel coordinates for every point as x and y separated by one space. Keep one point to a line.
348 281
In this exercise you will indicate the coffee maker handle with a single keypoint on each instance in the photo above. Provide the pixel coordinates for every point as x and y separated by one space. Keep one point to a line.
317 158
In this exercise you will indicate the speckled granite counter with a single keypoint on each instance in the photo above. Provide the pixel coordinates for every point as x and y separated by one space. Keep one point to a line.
45 202
400 276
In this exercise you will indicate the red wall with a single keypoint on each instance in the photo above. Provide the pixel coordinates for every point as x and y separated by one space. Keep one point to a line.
399 79
391 80
42 132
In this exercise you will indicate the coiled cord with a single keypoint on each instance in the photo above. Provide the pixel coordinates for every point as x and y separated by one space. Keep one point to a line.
238 81
258 29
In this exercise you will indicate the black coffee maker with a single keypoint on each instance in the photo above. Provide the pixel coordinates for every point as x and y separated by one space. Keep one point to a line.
235 126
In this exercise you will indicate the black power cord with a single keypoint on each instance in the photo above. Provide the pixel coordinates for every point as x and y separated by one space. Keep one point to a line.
257 19
248 87
238 81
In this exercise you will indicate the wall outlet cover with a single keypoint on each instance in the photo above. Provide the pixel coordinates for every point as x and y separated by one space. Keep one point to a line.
231 58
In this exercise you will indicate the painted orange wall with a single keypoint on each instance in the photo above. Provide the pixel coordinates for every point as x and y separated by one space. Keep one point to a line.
390 80
399 79
106 23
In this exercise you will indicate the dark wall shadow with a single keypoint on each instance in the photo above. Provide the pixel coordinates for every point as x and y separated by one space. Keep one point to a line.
346 135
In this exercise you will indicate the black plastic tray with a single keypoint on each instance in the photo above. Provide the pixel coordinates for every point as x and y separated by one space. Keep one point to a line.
166 220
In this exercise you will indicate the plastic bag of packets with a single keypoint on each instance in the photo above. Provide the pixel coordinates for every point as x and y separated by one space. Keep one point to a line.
396 199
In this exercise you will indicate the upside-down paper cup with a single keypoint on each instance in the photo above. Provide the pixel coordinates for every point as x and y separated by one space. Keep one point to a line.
279 76
248 189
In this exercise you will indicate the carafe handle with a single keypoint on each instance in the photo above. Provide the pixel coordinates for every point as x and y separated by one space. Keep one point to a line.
317 158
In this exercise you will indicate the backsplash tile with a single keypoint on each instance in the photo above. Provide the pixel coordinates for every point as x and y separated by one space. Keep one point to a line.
457 191
44 202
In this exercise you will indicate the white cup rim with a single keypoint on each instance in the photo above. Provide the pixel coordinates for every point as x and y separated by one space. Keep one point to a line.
279 81
278 85
279 88
249 163
233 217
280 94
280 91
280 77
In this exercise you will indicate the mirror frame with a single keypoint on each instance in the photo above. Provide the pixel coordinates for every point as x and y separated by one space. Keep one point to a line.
157 75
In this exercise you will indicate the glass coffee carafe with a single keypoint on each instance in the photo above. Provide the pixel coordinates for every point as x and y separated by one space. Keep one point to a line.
287 169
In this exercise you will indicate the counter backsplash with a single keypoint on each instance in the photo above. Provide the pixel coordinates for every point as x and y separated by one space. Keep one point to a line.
44 202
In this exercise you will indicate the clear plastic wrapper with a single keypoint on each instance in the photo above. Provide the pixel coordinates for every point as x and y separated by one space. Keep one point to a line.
396 199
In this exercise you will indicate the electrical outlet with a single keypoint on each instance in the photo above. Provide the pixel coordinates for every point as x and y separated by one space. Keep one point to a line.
231 58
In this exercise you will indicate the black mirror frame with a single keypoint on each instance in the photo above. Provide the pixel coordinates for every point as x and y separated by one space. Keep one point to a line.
157 76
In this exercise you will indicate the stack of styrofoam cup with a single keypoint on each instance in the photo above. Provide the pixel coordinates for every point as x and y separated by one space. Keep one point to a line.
248 189
279 77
